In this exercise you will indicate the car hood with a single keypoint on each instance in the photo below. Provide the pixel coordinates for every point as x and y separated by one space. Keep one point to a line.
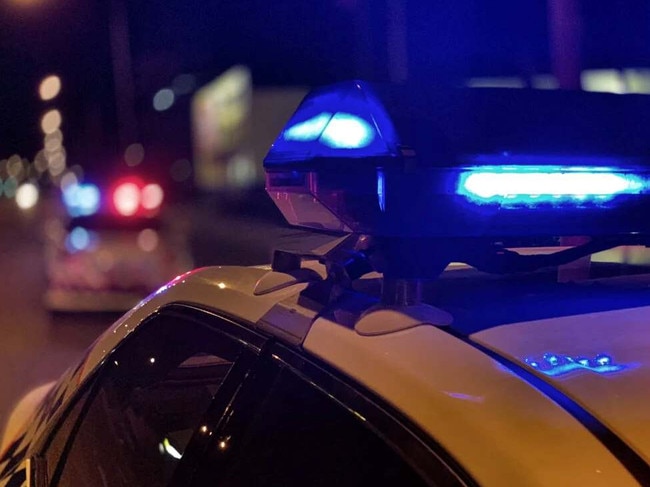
600 360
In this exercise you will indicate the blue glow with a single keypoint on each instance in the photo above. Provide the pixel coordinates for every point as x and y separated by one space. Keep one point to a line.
339 131
381 190
554 365
346 131
308 130
78 239
529 185
81 199
346 120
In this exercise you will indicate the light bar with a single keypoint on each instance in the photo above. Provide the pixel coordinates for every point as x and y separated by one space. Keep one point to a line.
346 121
397 162
524 185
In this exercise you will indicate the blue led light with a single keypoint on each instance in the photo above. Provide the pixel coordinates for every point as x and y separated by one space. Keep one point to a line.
81 199
339 131
381 189
526 185
346 131
308 130
78 239
343 121
554 365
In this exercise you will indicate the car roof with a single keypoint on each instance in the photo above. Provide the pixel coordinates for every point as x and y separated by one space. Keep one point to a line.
451 386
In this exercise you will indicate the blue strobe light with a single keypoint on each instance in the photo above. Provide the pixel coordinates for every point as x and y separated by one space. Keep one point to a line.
338 131
526 186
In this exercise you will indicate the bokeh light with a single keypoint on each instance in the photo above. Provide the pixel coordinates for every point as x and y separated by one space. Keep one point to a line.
148 240
152 196
49 87
163 99
51 121
78 239
27 196
56 162
10 186
134 154
68 180
40 162
126 199
53 141
15 167
81 199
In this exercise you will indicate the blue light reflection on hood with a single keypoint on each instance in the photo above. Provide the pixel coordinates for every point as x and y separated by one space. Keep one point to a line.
556 365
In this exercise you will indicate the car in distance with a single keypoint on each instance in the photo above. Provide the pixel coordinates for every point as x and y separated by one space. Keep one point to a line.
410 351
112 247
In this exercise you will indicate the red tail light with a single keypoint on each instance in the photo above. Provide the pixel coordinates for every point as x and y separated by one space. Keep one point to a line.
151 197
126 199
134 198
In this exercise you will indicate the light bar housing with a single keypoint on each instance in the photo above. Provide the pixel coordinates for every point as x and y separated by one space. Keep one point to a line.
399 161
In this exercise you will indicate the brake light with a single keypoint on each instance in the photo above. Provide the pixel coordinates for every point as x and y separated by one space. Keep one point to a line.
126 199
134 198
151 197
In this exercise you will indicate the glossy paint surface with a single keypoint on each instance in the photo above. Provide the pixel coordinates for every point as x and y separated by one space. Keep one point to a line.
502 430
610 373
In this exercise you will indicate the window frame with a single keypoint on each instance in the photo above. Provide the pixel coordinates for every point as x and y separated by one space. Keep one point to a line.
251 343
434 465
424 455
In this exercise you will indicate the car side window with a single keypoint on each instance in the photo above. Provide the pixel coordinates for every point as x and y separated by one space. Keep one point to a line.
147 403
300 436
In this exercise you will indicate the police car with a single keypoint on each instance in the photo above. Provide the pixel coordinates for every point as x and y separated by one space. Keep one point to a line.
111 247
442 335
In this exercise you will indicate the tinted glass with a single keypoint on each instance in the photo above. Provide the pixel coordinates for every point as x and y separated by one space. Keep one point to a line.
302 437
56 446
149 400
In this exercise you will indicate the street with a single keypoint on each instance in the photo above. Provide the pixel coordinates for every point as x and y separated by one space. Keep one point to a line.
37 346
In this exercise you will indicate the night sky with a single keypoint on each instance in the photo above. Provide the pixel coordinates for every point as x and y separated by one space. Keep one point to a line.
284 42
312 44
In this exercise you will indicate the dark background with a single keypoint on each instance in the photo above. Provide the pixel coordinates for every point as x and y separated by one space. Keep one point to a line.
285 42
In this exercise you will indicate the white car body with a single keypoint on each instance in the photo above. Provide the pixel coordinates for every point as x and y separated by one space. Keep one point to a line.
503 427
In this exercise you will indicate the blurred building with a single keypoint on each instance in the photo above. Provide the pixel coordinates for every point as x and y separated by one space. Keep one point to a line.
233 125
